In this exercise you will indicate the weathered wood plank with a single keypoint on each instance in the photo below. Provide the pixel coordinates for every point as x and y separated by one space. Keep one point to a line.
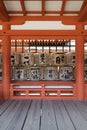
48 121
85 102
19 117
62 117
4 106
32 121
9 114
43 115
1 101
82 107
78 120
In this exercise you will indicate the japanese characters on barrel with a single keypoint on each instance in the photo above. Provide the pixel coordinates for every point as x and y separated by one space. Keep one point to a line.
43 66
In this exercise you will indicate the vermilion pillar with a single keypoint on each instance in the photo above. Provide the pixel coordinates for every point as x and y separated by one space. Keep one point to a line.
6 62
80 67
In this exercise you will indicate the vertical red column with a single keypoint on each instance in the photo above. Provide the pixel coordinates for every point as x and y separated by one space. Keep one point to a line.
80 67
6 62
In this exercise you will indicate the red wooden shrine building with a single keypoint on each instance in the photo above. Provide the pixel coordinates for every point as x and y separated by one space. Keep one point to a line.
16 41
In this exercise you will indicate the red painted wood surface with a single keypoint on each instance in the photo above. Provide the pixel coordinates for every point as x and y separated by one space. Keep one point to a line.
6 64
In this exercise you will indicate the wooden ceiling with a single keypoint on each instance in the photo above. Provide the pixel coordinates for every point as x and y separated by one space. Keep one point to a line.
43 8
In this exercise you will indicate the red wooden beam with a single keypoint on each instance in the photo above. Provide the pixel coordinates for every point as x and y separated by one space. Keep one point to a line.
71 12
43 32
40 12
68 20
63 7
23 7
27 12
83 5
40 0
3 12
44 37
83 13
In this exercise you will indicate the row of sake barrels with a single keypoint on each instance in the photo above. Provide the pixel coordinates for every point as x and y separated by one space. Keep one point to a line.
30 59
43 58
47 73
43 73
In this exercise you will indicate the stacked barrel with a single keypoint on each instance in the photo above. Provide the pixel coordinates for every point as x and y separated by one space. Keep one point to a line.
43 66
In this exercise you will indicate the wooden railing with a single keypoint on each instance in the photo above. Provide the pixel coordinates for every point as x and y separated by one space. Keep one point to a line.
46 90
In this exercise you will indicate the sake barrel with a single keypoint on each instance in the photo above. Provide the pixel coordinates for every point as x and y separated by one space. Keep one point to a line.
50 73
66 73
15 59
58 58
27 59
36 73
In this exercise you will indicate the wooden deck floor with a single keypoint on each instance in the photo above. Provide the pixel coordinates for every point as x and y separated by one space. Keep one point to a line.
43 115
